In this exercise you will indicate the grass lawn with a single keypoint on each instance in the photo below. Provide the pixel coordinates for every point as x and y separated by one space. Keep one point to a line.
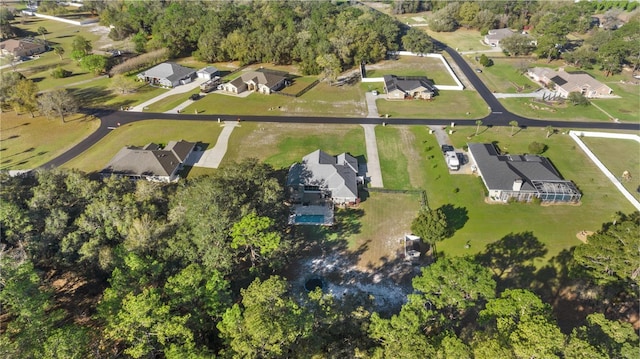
386 217
430 67
555 226
60 34
322 100
141 133
618 156
461 39
171 102
504 75
30 142
626 108
400 157
447 104
567 112
282 144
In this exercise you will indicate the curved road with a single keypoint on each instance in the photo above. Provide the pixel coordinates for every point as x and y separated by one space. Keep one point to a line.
499 116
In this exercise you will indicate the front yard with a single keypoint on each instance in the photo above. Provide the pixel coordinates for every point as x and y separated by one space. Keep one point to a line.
447 104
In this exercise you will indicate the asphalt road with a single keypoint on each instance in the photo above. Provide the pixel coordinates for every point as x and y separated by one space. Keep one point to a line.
499 116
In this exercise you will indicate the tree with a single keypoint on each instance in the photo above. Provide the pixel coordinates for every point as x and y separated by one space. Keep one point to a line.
6 30
577 99
513 125
485 61
444 20
57 102
468 12
537 148
417 41
610 255
24 96
330 66
524 324
478 124
431 225
59 50
607 338
256 235
267 323
81 46
94 63
550 130
43 31
122 84
517 44
8 83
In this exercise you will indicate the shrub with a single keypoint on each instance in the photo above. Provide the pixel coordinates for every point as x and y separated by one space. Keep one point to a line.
60 73
537 148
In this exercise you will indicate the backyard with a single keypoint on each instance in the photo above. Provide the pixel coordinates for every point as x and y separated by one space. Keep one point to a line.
432 68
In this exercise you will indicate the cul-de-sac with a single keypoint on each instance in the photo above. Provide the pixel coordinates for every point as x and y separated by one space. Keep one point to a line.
319 179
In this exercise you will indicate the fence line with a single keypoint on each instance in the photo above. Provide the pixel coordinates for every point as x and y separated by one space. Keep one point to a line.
72 22
576 137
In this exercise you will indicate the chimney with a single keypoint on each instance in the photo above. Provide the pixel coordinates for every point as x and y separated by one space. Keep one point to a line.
517 184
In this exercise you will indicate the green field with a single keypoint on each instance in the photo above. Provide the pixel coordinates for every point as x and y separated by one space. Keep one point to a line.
30 142
447 104
282 144
505 75
619 156
141 133
432 68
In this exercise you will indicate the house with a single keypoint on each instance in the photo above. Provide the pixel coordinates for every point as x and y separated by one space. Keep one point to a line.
399 88
168 74
520 177
493 37
565 82
207 73
264 82
151 162
23 47
323 176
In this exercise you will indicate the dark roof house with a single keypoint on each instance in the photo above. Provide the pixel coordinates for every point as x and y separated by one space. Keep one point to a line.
335 176
408 87
520 177
23 47
150 162
168 74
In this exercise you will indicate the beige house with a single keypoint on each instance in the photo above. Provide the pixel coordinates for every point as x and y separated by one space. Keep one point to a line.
258 81
20 48
400 88
566 82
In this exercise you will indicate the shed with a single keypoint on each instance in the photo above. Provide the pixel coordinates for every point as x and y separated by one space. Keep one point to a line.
207 73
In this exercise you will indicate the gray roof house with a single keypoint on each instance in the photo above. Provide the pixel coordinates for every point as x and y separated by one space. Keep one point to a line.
520 177
399 88
334 177
261 82
493 37
168 74
150 162
566 82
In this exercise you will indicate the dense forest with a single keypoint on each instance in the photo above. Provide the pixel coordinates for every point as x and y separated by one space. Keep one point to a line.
113 268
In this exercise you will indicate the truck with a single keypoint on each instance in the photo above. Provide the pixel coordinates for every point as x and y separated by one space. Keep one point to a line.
210 84
452 160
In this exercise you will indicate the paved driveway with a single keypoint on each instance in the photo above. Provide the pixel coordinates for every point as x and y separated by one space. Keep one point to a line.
174 91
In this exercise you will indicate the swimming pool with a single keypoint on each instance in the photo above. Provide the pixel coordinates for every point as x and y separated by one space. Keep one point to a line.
309 219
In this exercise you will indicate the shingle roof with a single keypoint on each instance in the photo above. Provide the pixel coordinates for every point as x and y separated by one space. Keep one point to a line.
335 173
12 45
570 82
499 171
499 34
149 160
393 83
208 70
168 70
262 78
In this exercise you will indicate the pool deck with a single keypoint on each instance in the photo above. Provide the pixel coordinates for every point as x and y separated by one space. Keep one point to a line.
313 210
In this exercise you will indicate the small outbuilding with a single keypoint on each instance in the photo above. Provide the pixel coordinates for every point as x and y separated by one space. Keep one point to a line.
207 73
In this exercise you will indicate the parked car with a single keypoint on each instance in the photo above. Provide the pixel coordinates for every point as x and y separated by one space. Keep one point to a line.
478 70
447 148
194 97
